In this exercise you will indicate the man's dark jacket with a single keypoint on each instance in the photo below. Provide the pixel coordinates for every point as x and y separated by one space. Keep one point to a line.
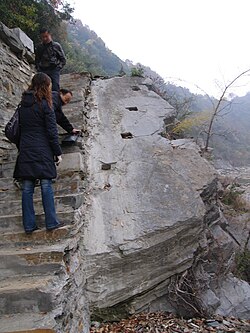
39 140
61 119
49 56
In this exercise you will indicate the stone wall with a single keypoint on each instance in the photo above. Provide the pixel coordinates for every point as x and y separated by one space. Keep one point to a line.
15 75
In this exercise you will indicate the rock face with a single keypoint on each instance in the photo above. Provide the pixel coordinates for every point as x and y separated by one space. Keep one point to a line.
18 42
153 213
141 212
15 75
146 216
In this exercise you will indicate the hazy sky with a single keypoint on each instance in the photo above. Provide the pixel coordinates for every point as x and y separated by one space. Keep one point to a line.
200 41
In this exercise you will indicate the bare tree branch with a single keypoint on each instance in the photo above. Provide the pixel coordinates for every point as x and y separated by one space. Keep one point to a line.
217 108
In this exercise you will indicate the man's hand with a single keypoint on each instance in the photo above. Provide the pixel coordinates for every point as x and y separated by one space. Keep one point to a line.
76 131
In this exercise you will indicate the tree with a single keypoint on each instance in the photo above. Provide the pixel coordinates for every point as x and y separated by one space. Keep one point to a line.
31 15
178 97
222 104
23 14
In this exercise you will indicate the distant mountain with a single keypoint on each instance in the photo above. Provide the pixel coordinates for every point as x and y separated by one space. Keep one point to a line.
87 51
231 139
235 146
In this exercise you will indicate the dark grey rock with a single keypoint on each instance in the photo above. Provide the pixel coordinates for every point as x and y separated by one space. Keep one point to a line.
11 39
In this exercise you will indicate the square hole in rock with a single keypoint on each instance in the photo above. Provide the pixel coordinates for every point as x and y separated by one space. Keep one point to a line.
132 108
136 88
127 135
106 166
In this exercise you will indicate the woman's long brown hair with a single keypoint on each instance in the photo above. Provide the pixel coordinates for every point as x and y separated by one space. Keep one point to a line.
41 85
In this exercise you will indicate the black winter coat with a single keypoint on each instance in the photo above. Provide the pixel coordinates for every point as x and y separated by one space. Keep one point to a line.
39 140
61 119
49 56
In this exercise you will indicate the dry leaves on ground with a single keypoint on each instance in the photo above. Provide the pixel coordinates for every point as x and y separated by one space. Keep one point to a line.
167 323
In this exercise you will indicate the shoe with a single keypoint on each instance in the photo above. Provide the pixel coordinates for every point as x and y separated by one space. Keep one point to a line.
29 232
60 225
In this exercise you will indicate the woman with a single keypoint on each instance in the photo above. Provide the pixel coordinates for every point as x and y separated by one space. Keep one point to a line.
38 149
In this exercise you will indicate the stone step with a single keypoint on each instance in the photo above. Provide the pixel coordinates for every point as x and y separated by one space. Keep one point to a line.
65 181
32 261
62 202
27 323
12 223
72 162
11 192
27 295
39 237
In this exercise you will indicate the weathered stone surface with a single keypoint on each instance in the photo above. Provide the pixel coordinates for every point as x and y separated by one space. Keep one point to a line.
146 225
72 162
11 39
151 211
26 262
234 298
25 323
15 75
18 42
26 41
237 180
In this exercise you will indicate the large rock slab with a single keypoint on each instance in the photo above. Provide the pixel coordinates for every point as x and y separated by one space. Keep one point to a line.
27 42
146 215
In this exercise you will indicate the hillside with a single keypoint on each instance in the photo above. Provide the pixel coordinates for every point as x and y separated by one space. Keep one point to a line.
85 51
92 52
231 142
236 146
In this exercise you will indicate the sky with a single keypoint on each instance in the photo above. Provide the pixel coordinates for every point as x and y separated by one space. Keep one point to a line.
200 42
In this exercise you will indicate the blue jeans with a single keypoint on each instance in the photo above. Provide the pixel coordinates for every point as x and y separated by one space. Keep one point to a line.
29 222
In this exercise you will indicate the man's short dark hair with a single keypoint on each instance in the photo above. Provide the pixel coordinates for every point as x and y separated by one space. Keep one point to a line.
66 91
43 30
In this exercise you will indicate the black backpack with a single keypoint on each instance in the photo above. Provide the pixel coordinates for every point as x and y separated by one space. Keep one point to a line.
12 128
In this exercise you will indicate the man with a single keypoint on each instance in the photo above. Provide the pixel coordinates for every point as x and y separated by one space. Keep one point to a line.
59 100
50 58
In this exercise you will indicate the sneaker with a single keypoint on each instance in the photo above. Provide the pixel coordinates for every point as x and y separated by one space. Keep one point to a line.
29 232
60 225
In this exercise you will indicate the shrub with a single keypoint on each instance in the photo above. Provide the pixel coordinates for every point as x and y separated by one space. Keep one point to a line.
242 269
137 71
232 197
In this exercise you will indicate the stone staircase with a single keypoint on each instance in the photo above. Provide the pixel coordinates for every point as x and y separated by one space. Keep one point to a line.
39 272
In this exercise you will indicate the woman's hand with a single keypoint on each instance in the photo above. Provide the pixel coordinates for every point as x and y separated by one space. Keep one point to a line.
58 160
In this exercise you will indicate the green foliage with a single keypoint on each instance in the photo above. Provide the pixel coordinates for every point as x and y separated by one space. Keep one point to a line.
137 71
32 15
243 265
230 139
84 50
97 58
23 14
232 197
192 124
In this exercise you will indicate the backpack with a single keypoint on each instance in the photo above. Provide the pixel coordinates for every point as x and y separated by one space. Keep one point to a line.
12 128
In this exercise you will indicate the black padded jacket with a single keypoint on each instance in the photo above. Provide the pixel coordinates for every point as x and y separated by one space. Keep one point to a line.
49 56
